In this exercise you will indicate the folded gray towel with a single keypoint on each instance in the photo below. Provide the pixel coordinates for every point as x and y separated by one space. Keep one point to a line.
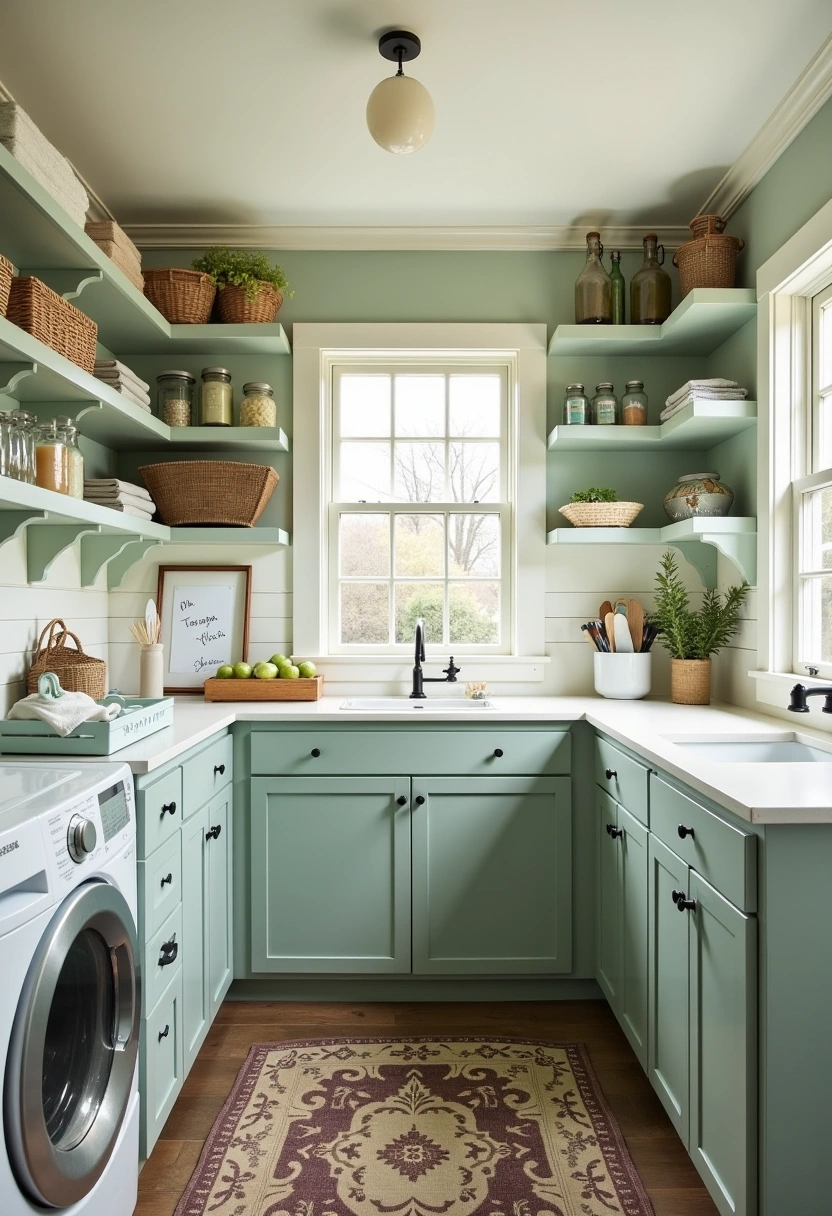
114 485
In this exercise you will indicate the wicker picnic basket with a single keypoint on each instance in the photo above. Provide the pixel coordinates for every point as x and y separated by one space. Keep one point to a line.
193 493
6 271
235 308
183 297
601 514
41 312
710 259
77 671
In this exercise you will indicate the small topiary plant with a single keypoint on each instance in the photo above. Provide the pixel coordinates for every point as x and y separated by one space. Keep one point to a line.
241 268
594 494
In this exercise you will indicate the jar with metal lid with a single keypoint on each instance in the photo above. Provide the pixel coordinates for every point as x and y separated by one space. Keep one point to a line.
258 406
175 397
575 406
51 459
5 444
604 405
634 404
216 397
75 457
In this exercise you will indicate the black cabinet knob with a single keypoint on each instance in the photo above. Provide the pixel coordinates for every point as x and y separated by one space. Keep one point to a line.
168 808
167 878
609 773
683 831
219 768
613 831
676 896
402 801
419 799
163 1034
316 751
498 751
169 952
213 832
685 905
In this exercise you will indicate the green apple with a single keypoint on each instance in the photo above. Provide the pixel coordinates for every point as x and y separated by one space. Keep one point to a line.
277 659
285 663
307 670
242 671
265 671
289 672
226 672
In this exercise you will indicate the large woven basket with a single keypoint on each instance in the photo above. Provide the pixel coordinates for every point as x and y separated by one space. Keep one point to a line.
601 514
77 672
183 297
690 681
198 492
235 308
42 313
6 271
710 259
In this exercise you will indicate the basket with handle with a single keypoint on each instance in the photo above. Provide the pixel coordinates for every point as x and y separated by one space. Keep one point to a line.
183 297
710 259
77 671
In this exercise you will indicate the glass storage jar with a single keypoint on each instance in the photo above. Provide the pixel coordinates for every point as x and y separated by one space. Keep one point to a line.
593 286
634 404
258 406
216 397
51 459
604 405
5 444
23 446
575 406
650 287
617 281
175 397
75 458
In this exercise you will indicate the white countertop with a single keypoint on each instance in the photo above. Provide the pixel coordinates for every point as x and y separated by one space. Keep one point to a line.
758 793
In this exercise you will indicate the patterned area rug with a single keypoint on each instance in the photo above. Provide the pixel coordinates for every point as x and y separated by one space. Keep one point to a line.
415 1127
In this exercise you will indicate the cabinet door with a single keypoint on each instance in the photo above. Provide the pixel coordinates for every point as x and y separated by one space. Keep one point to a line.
632 977
330 874
723 1014
219 967
195 1012
608 885
492 875
668 986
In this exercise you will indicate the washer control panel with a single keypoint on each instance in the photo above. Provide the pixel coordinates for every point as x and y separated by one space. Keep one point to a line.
90 828
81 838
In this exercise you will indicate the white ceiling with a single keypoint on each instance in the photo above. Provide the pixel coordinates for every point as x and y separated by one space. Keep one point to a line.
547 111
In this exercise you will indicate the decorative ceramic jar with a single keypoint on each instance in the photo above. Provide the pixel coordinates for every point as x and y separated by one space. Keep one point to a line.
698 494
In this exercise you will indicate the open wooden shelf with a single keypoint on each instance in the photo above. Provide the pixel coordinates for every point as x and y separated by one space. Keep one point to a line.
699 426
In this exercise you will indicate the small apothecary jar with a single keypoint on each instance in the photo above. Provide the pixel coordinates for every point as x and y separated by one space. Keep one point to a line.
51 459
634 404
575 406
175 397
604 405
216 397
258 406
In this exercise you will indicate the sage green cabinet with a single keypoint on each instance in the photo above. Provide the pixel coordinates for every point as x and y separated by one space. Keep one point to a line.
492 875
330 874
608 897
668 987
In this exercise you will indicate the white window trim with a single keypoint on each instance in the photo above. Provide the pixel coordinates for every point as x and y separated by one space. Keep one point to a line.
316 347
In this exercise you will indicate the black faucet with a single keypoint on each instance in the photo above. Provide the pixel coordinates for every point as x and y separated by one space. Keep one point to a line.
797 700
419 680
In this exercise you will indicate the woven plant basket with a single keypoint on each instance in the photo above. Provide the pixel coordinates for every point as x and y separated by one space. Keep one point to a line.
5 283
690 681
710 259
235 308
193 493
183 297
76 671
41 312
601 514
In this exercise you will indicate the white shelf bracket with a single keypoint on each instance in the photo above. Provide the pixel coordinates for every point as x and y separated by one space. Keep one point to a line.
701 557
741 550
133 552
11 375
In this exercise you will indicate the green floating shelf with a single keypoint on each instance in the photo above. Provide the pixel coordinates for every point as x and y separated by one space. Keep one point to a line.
698 426
274 537
697 539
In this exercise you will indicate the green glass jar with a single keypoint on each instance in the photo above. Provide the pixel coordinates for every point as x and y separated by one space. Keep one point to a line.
593 288
650 287
617 281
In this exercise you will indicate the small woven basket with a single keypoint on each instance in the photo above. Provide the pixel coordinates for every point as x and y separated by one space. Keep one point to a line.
219 492
690 681
41 312
5 283
77 672
601 514
710 259
183 297
235 308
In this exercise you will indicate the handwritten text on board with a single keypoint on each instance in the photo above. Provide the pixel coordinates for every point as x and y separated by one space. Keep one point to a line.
201 629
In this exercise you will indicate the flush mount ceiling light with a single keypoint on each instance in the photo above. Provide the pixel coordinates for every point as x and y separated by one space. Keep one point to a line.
400 109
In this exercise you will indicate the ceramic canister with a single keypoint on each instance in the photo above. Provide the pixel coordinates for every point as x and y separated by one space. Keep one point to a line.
698 494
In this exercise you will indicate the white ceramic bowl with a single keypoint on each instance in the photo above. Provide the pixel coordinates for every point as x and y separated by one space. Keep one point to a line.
623 677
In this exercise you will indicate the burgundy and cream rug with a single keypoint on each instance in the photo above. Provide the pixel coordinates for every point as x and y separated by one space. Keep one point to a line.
415 1127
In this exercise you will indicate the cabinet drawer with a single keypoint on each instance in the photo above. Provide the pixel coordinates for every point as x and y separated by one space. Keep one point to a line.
206 773
724 855
158 812
161 1062
488 753
160 887
163 958
623 778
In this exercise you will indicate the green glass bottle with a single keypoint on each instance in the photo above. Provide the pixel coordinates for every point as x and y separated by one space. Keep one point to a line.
617 279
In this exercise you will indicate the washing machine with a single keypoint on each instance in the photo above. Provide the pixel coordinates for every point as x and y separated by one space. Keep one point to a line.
70 995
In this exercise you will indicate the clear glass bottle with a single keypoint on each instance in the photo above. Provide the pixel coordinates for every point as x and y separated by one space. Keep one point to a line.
23 446
650 287
258 406
51 459
634 404
5 444
604 405
575 406
175 397
216 397
75 457
617 281
593 287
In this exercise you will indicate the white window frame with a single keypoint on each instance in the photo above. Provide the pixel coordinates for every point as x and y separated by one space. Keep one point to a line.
317 348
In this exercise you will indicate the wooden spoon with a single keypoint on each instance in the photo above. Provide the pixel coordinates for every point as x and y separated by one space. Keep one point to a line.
609 625
635 619
604 609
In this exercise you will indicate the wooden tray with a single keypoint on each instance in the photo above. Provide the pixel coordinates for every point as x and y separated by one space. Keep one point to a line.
265 690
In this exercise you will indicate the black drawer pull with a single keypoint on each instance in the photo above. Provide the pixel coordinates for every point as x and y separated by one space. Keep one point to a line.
167 878
213 832
609 773
168 808
163 1034
419 799
401 800
613 831
316 751
685 905
168 952
676 896
683 831
219 768
498 751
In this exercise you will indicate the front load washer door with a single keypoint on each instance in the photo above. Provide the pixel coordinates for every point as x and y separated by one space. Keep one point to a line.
72 1051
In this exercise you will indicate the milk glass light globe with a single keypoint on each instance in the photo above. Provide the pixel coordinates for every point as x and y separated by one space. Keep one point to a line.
400 114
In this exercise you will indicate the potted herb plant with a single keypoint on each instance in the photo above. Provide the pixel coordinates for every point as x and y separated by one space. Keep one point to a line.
249 288
692 637
598 507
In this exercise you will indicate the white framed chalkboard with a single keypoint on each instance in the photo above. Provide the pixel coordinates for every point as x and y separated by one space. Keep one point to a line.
204 611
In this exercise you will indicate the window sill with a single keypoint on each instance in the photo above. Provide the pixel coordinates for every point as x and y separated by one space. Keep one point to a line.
370 669
773 687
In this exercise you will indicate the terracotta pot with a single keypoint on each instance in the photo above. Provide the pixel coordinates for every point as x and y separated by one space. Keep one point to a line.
235 308
690 681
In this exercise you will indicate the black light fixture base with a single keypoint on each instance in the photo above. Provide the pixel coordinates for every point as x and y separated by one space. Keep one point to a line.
399 46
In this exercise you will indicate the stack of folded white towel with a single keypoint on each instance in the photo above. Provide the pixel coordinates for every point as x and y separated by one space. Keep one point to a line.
124 381
120 495
30 146
702 390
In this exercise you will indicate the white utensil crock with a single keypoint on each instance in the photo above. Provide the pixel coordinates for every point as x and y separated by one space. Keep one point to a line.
623 677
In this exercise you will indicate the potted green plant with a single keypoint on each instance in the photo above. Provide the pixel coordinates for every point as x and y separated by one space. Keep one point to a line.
598 507
692 637
250 288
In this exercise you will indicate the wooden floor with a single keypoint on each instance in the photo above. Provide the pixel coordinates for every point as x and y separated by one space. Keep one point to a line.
665 1168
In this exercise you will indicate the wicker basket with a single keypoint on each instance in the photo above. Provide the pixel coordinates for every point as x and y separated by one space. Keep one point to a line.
5 283
198 492
601 514
183 297
690 681
42 313
710 259
77 672
235 308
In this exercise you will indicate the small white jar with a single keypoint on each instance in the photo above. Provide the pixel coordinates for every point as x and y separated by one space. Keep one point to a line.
623 677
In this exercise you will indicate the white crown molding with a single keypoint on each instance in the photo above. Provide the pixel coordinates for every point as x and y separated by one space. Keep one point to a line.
806 96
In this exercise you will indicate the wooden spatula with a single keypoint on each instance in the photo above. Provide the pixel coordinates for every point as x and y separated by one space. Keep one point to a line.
604 609
609 625
635 619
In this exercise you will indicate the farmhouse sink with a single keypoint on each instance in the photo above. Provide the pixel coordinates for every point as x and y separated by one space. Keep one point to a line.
777 751
403 705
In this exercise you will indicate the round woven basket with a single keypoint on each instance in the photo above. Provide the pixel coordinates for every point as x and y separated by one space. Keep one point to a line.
235 308
601 514
220 492
76 671
183 297
5 283
690 681
710 259
707 225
